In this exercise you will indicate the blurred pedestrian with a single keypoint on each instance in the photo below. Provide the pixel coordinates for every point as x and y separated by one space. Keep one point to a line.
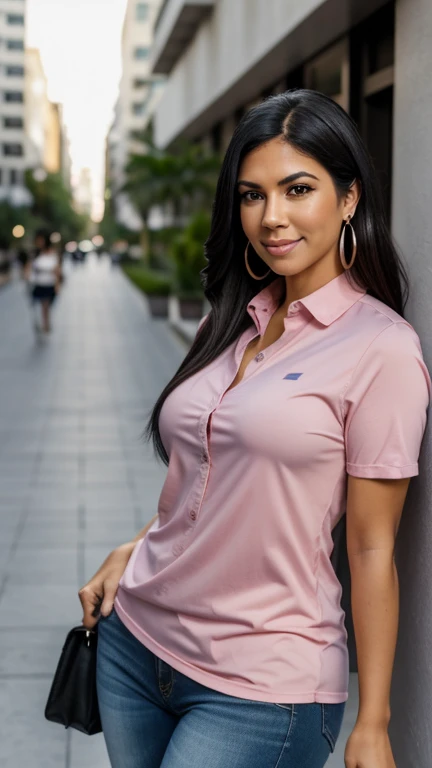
222 640
78 256
22 259
44 275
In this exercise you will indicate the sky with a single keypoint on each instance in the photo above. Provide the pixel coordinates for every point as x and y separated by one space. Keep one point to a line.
80 46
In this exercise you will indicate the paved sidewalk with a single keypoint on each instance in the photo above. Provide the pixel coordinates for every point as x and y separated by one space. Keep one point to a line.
75 481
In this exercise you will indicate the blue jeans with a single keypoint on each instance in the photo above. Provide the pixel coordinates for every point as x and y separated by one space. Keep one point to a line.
155 717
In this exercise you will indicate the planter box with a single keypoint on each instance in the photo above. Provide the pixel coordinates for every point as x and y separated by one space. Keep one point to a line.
190 308
158 305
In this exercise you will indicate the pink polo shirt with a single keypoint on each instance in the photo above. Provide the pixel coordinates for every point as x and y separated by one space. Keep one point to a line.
233 585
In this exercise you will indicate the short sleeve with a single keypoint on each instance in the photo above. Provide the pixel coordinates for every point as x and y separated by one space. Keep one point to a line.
385 407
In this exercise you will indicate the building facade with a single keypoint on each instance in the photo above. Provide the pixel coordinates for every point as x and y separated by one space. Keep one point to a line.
374 58
37 109
138 93
221 59
83 192
13 159
47 143
53 139
65 154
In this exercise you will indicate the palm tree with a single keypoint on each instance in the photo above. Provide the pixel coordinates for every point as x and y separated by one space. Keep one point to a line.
184 180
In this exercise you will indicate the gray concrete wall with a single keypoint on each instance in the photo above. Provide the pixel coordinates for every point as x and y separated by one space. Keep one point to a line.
411 728
244 47
224 47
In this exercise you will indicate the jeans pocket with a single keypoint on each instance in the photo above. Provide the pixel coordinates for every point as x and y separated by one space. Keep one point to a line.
332 717
111 618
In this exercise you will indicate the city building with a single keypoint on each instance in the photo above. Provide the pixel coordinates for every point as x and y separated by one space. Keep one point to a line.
65 153
220 62
139 92
53 141
373 57
83 192
47 142
52 154
37 109
13 159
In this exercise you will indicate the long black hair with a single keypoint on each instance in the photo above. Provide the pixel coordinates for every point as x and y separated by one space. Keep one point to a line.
318 127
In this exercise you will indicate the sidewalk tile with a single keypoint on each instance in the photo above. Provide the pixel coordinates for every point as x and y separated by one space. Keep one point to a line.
27 740
39 606
43 566
87 751
25 652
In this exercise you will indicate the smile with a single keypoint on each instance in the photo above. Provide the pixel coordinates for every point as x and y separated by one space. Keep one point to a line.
281 248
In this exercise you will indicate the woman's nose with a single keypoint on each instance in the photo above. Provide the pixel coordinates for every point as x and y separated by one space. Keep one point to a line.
275 214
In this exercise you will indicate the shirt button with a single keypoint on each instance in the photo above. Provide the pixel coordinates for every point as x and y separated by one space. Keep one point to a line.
192 514
259 357
178 549
205 458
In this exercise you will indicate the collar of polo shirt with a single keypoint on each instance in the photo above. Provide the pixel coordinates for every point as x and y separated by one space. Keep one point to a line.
326 304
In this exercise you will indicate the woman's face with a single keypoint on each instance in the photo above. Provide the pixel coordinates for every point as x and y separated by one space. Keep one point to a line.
290 211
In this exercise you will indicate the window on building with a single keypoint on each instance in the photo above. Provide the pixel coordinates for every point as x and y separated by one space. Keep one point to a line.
140 82
13 150
15 45
142 53
1 177
380 48
329 73
14 70
372 75
138 135
138 108
14 96
294 79
13 177
216 137
15 18
13 122
142 11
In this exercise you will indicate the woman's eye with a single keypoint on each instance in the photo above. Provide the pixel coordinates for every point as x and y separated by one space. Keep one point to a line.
299 190
251 196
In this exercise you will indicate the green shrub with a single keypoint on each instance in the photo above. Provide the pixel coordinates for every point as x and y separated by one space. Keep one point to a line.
147 280
187 255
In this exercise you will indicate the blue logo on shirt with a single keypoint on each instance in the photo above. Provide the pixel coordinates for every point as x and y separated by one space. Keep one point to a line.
293 376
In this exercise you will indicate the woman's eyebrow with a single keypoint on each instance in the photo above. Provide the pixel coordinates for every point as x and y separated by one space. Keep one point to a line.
282 182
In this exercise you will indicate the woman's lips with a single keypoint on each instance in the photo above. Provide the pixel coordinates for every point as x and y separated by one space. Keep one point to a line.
282 250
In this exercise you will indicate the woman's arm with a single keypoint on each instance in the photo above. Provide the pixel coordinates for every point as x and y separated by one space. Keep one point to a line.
98 595
374 510
143 532
58 276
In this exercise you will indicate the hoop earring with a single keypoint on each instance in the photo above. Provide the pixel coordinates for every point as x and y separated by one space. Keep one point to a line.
255 277
345 264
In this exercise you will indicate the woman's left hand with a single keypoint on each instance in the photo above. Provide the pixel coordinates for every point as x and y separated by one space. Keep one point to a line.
369 747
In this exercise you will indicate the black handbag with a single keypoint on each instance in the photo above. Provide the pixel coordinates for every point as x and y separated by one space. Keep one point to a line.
72 700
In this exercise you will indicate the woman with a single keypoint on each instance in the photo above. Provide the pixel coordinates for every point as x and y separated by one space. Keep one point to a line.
297 402
44 274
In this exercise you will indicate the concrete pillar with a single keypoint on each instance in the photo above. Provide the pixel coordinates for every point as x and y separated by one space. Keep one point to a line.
411 725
